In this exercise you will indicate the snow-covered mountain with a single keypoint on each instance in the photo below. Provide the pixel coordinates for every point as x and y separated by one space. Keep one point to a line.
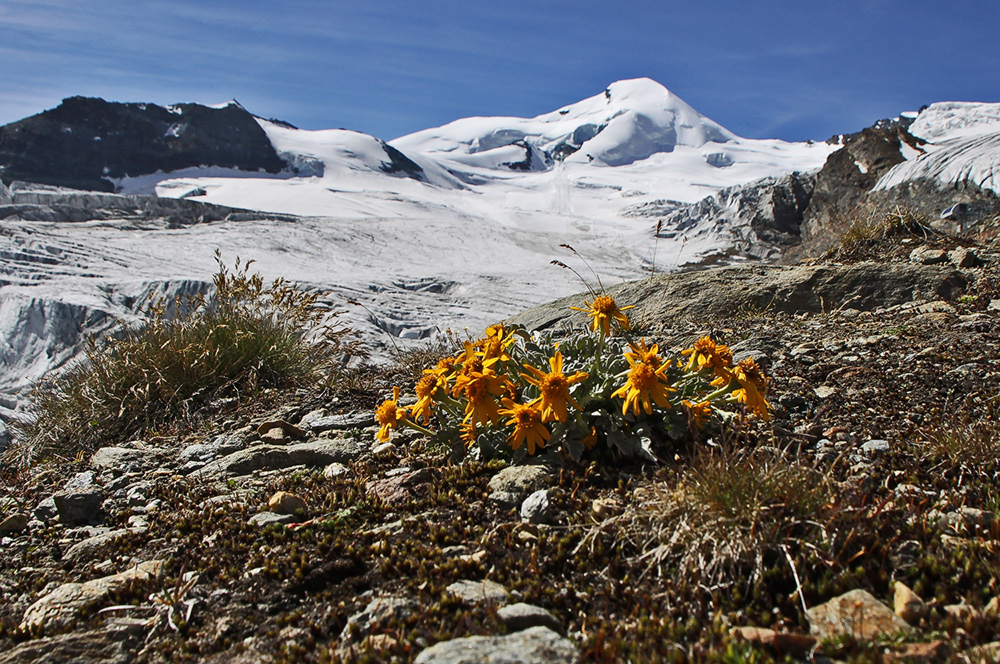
630 121
451 227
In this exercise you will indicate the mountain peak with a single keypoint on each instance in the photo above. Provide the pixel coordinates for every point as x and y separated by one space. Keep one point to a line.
631 120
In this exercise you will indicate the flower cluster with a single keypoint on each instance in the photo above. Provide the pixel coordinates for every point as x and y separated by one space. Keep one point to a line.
510 391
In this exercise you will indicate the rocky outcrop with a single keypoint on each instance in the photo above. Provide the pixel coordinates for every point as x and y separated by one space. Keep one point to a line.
85 143
760 220
854 184
723 291
845 180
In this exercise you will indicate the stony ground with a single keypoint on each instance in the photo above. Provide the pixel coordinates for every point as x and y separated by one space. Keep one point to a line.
871 491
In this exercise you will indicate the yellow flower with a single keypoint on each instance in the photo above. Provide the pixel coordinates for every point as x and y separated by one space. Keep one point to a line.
554 387
697 413
389 415
706 353
445 367
603 311
470 360
468 433
644 387
527 422
425 390
644 354
495 344
479 388
753 387
590 439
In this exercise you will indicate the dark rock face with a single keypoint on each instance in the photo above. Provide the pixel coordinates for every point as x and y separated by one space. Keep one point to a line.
400 163
762 217
83 141
850 173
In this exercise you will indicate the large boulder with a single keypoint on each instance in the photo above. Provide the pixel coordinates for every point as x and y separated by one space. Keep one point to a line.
723 291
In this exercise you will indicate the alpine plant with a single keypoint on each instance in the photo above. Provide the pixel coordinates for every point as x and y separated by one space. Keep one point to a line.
517 394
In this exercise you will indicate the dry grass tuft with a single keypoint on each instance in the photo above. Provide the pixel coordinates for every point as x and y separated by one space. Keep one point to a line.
970 445
872 225
244 338
728 512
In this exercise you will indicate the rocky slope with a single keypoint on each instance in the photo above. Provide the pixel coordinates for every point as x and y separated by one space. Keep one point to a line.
182 546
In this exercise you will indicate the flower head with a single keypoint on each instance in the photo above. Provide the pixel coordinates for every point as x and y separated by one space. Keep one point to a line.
644 387
479 389
444 368
697 414
706 353
554 388
603 311
527 422
425 390
753 387
644 354
389 415
467 432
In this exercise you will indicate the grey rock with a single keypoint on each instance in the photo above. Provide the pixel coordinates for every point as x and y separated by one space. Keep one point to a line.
520 480
198 452
963 257
537 645
505 498
318 452
825 391
379 612
138 494
79 507
875 447
384 448
928 256
522 616
14 523
132 142
338 422
88 547
536 508
965 521
268 518
83 480
62 607
46 510
790 289
138 522
336 469
120 460
479 592
99 646
762 217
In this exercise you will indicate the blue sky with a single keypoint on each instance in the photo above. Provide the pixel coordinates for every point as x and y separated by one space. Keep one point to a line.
767 69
